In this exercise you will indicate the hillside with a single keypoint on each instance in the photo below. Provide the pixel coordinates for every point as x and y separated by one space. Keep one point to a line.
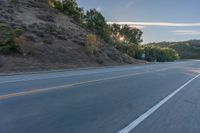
48 39
186 49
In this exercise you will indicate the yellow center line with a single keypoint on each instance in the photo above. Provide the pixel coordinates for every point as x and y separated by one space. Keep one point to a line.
35 91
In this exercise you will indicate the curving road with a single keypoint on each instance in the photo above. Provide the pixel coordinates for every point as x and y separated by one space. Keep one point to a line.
154 98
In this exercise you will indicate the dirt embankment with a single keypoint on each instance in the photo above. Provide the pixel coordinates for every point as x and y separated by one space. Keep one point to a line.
49 39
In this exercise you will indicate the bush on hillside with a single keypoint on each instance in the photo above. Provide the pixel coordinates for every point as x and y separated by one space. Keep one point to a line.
14 1
24 46
91 43
134 51
8 36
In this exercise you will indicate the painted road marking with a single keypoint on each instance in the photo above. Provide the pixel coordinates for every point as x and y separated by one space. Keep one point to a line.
24 93
63 76
140 119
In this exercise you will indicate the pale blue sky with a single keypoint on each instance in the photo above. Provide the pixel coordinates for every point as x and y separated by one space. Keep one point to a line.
160 20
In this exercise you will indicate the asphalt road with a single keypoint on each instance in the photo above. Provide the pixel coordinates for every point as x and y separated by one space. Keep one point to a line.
154 98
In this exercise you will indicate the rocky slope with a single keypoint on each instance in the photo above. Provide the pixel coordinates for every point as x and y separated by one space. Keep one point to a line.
49 40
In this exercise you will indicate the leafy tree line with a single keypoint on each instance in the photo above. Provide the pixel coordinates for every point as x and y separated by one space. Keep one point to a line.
96 22
155 53
126 39
186 49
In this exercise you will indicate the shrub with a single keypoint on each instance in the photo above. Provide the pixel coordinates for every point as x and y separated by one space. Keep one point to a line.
155 53
7 38
134 51
91 43
7 48
18 31
52 3
167 54
14 1
24 46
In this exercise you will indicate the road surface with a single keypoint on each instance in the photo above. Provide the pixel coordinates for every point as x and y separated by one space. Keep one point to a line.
154 98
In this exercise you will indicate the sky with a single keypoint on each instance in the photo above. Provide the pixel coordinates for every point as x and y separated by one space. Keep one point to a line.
160 20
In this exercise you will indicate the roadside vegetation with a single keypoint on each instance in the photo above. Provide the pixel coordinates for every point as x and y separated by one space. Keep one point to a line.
91 44
187 49
126 39
155 53
9 38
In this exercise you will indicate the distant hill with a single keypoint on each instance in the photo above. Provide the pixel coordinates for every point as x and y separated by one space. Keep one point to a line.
48 39
186 49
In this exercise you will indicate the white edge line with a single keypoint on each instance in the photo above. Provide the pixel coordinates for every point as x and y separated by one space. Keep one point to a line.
141 118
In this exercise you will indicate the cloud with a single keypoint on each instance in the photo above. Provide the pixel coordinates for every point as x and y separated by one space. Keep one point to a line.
99 8
166 24
137 26
186 32
131 3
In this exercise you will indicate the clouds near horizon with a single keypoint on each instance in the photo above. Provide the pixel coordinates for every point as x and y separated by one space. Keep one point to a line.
160 20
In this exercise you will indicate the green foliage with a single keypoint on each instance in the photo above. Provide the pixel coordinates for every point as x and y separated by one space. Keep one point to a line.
14 1
134 51
52 3
187 50
91 43
168 54
126 34
70 8
7 38
126 39
131 35
95 21
115 33
19 31
153 53
7 46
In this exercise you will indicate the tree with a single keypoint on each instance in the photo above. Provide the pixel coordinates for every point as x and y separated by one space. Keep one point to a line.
126 34
96 22
115 32
70 8
131 35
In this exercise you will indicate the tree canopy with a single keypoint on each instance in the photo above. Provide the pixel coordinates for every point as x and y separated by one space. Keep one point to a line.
70 8
123 37
126 34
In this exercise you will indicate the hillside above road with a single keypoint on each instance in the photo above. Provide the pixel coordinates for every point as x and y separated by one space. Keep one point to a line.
48 39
